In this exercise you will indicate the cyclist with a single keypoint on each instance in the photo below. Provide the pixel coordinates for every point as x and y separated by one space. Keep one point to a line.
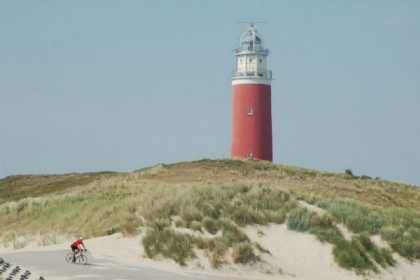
75 247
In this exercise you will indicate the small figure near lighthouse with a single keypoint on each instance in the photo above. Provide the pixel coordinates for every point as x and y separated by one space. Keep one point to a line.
251 100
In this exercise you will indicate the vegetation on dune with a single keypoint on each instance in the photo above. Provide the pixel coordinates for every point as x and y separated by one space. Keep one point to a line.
359 253
14 188
399 226
202 205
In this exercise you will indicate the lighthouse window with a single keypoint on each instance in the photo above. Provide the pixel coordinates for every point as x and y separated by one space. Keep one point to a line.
250 60
249 155
250 111
260 60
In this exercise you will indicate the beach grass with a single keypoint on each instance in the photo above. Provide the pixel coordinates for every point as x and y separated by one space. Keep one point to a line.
203 205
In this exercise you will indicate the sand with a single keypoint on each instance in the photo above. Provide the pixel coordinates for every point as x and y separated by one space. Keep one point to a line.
289 255
292 255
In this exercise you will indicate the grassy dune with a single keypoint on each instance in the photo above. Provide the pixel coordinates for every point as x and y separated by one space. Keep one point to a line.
203 205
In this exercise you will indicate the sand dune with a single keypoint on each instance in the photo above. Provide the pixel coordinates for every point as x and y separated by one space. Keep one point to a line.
292 255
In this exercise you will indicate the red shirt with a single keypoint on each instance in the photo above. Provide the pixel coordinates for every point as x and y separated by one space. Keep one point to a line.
77 243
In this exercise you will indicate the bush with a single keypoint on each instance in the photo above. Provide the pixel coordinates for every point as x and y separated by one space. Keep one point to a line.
244 214
168 244
321 226
407 247
330 235
349 172
381 255
405 242
351 255
217 257
195 226
243 253
300 219
358 217
212 226
232 234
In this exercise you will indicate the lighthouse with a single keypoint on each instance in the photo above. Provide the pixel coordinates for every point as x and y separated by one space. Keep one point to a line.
251 135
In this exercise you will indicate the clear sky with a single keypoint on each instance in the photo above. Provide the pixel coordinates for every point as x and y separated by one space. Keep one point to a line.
121 85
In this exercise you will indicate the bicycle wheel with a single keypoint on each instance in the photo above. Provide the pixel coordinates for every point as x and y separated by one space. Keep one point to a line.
82 259
69 257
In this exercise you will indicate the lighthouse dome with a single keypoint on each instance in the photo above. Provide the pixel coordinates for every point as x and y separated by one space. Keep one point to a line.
251 41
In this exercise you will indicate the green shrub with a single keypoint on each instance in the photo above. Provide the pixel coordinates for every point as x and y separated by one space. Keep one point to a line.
243 253
300 219
276 216
330 235
168 244
381 255
195 226
211 210
358 217
407 247
232 234
366 242
217 257
214 249
351 255
322 226
244 214
349 172
189 214
212 226
405 242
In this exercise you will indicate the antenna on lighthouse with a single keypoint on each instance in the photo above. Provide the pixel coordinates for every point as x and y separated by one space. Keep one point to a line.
251 24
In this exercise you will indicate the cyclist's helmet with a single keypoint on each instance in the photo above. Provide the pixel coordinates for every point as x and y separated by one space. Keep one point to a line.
80 238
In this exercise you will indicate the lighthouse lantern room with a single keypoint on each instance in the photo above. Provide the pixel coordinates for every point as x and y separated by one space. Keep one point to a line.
251 99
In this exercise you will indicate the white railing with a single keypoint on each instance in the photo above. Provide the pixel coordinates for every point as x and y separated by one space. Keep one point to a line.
258 73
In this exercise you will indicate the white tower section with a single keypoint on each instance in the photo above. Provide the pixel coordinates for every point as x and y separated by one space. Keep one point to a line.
251 59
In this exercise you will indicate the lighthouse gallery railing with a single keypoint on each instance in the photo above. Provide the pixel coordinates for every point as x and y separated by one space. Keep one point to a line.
258 73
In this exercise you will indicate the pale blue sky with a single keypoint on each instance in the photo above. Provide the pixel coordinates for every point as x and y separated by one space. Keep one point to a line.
121 85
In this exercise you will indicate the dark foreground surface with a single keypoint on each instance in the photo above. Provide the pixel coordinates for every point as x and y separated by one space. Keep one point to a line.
52 265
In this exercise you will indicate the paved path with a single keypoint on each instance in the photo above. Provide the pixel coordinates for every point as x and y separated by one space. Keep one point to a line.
52 265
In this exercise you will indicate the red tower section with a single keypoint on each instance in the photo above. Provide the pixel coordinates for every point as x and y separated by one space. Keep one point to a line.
251 100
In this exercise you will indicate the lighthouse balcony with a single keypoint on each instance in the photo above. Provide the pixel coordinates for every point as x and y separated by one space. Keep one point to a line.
260 73
241 51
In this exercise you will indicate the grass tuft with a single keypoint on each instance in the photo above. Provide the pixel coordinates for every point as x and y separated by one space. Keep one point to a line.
381 256
300 219
351 255
243 253
168 244
212 226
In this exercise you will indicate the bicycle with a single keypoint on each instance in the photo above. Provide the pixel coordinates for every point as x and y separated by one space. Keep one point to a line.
80 257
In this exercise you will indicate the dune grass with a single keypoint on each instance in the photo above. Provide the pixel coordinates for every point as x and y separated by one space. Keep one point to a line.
213 199
359 253
168 244
13 188
399 226
322 227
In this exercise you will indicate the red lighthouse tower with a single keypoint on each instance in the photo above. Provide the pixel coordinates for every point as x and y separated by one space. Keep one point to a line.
251 99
